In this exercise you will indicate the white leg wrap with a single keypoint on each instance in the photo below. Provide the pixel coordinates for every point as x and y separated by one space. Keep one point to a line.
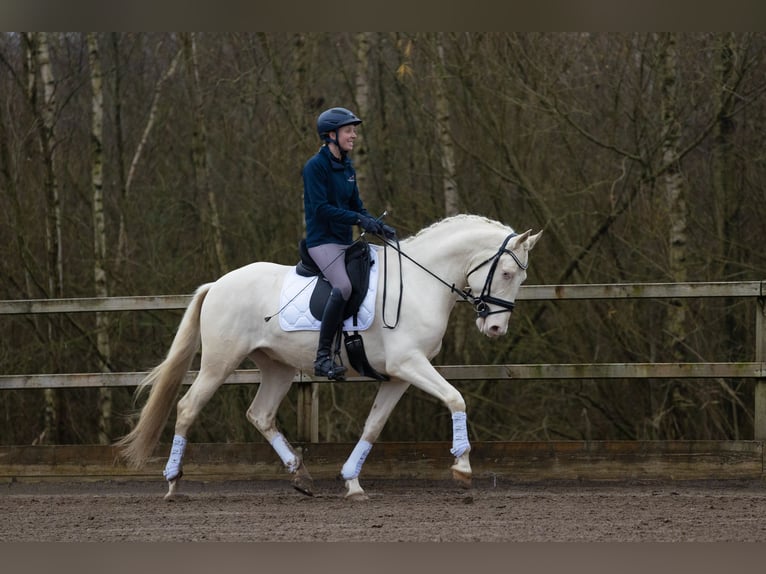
173 466
285 452
460 442
353 465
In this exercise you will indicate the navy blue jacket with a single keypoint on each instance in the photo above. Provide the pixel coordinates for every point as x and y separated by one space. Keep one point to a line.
331 199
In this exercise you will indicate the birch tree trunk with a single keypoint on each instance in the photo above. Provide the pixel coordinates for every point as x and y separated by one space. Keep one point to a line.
40 61
200 154
99 233
48 143
446 146
362 97
675 192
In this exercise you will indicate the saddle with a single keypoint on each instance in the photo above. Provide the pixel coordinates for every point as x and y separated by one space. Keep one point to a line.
358 263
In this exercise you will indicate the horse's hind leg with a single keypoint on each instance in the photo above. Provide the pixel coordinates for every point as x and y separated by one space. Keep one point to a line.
209 378
276 380
386 399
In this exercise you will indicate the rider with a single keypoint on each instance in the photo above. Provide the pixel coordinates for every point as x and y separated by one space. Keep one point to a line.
332 206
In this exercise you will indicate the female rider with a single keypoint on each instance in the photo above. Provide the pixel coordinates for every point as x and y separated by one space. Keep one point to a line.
332 207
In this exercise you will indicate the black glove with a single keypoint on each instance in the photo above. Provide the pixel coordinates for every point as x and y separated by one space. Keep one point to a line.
370 224
389 232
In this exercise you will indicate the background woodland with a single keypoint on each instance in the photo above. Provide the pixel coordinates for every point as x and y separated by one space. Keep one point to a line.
147 164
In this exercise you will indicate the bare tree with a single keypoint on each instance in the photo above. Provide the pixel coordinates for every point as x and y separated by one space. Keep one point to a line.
126 180
39 58
675 189
200 152
443 135
99 231
362 97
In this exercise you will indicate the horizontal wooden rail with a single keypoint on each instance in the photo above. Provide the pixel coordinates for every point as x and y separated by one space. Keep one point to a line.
449 372
94 304
526 293
642 291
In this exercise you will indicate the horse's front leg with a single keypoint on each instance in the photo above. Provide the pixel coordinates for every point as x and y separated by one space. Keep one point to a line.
422 374
386 399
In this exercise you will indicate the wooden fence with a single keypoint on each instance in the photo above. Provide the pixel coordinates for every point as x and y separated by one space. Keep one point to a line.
748 455
307 405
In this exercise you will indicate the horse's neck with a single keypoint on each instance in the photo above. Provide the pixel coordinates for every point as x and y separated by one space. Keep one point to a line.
451 248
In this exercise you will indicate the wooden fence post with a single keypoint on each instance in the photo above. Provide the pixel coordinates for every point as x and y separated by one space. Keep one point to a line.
759 412
308 411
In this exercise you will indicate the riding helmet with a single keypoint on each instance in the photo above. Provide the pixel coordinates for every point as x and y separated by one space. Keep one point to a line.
334 118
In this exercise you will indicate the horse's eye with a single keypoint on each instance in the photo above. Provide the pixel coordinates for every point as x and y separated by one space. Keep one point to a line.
506 275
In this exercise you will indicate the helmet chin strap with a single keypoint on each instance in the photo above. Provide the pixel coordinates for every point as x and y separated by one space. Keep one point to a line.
329 140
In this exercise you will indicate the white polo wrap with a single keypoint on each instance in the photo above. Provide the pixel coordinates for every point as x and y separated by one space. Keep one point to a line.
353 465
285 452
173 466
460 442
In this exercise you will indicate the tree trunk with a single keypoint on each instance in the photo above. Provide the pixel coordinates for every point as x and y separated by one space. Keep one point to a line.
126 181
362 97
725 193
675 193
48 142
443 136
99 233
200 155
40 61
724 181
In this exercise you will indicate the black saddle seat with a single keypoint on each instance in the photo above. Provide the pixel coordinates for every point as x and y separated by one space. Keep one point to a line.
306 266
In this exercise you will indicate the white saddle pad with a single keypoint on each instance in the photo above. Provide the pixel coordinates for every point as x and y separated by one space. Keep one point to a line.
295 300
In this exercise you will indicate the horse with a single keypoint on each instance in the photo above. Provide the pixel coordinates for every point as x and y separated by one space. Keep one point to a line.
452 259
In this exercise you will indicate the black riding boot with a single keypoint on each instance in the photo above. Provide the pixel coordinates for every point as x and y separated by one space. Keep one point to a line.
324 365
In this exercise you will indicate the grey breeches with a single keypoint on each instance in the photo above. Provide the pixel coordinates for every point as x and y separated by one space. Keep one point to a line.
330 258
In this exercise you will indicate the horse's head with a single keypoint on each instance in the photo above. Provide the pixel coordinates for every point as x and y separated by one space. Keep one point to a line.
497 280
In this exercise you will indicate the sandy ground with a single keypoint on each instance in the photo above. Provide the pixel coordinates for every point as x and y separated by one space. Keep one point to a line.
410 511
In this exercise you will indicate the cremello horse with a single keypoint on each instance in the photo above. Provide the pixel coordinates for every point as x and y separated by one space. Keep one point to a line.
453 258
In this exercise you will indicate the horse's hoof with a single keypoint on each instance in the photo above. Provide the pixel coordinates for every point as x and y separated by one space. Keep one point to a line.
354 491
303 485
303 482
356 496
462 478
172 493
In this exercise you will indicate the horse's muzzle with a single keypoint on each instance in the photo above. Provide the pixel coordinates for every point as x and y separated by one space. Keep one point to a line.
492 327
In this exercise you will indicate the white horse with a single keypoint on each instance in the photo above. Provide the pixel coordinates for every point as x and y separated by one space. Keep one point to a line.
453 258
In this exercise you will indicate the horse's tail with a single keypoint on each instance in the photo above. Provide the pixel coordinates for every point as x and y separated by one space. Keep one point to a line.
164 380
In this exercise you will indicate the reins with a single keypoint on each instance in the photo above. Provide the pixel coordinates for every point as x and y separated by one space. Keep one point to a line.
385 282
480 303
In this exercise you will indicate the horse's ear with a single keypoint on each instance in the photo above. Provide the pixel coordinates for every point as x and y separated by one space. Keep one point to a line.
521 237
531 239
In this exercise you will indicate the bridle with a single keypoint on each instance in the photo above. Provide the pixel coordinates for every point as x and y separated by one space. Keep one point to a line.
483 301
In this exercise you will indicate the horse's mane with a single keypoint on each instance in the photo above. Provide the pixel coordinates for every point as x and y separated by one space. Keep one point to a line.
467 217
